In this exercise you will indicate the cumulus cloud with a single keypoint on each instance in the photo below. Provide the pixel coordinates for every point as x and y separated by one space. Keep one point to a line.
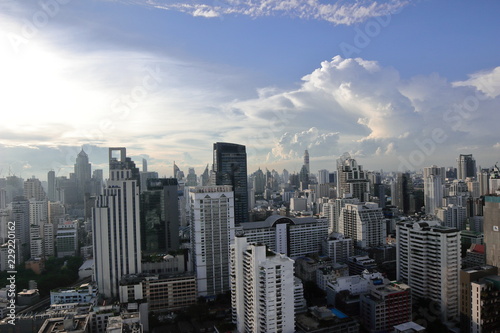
293 145
486 81
340 12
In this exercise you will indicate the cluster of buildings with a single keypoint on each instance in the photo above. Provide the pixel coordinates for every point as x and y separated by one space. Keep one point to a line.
377 247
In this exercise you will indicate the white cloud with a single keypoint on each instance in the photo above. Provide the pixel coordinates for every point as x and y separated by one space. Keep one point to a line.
341 12
486 81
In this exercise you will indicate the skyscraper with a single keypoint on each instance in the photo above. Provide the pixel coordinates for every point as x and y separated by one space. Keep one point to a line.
401 192
212 229
428 260
83 174
116 225
51 181
160 218
491 227
433 192
306 162
33 189
230 167
466 166
351 179
262 289
20 216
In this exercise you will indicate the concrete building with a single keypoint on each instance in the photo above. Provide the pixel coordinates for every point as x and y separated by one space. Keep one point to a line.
230 167
364 223
452 216
212 229
33 190
294 237
85 293
466 166
428 260
467 277
262 289
338 247
433 193
351 179
116 225
491 228
386 306
67 239
486 293
162 292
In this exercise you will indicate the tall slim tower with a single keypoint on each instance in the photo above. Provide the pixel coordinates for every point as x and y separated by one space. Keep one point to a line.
230 166
116 225
434 178
262 289
83 174
306 162
51 181
212 230
466 166
160 218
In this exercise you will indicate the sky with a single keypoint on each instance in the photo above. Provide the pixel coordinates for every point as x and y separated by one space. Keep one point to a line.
398 84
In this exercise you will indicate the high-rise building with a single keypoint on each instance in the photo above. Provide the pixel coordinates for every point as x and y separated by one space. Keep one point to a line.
67 239
338 247
452 216
116 225
482 178
400 192
295 237
433 193
191 179
20 216
428 260
230 167
160 218
466 166
386 306
262 289
51 182
485 292
467 276
83 174
212 229
364 223
323 176
33 189
48 239
351 179
491 229
38 212
306 162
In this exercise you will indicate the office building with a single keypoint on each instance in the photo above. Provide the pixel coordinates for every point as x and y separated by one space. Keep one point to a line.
364 223
351 179
160 218
20 216
262 289
83 174
491 229
428 260
67 239
116 225
230 167
466 166
51 183
212 229
162 292
400 192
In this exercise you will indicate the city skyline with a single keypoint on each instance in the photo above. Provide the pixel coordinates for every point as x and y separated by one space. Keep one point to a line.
392 82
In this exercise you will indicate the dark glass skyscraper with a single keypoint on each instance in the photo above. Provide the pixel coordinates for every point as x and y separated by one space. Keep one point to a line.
230 166
160 216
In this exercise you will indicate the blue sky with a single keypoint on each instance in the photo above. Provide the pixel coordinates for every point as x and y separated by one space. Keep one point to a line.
398 84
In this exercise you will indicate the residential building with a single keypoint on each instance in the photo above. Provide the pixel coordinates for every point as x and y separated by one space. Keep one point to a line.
364 223
338 247
428 260
262 289
116 225
491 227
212 229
